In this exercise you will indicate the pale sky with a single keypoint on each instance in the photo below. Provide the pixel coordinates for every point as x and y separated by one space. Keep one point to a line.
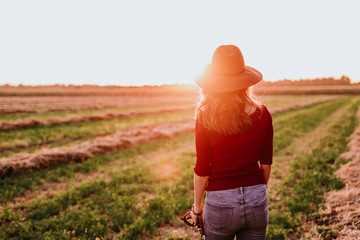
165 42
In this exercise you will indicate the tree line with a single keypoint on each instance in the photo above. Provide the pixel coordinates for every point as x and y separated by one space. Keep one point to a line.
343 80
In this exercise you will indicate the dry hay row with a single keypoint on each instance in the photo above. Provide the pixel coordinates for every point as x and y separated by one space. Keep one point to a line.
32 109
120 139
343 206
49 188
38 104
6 125
44 144
58 140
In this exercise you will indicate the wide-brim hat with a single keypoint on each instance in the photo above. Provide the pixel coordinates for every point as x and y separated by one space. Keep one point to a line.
227 72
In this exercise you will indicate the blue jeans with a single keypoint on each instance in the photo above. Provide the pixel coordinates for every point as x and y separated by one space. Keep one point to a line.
240 212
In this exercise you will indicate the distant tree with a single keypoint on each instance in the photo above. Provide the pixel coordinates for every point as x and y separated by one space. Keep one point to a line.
345 79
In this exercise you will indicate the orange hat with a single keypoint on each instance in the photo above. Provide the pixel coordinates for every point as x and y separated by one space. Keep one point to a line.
228 72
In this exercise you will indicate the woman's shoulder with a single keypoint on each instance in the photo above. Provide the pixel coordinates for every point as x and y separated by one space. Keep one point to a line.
265 113
264 108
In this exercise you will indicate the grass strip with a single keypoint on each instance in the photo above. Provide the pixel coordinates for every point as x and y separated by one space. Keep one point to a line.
146 222
310 176
284 100
58 134
89 220
20 183
105 209
293 124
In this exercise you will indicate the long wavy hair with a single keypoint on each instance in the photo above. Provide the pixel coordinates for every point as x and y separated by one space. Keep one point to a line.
225 112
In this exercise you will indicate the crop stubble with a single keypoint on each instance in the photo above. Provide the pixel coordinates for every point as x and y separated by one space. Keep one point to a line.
119 139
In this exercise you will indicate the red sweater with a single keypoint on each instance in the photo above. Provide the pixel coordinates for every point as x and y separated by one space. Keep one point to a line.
231 161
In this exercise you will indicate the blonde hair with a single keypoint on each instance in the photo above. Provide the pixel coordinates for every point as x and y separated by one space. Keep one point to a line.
225 112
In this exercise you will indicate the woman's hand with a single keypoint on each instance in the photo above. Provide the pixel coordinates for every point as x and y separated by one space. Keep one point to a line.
267 170
197 210
194 217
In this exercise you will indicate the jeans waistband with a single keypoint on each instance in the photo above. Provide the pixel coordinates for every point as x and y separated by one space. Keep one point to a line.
239 194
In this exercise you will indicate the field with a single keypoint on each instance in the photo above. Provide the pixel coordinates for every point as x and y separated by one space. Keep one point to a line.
120 166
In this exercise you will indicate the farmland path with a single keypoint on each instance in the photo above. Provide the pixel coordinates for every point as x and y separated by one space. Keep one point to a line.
297 196
299 147
99 175
342 207
305 144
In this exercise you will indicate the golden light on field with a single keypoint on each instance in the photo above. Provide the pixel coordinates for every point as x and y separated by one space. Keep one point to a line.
108 152
107 160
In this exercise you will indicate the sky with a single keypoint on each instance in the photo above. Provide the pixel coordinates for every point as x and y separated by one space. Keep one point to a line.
170 42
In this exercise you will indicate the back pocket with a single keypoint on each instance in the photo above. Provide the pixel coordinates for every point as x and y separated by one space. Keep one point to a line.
218 216
261 212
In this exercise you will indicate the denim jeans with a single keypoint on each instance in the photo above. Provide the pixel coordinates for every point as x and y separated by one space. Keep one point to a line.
240 212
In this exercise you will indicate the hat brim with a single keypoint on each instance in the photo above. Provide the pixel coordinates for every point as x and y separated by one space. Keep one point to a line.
214 82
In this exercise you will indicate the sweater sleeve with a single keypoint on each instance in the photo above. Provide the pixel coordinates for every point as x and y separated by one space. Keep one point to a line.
266 155
202 165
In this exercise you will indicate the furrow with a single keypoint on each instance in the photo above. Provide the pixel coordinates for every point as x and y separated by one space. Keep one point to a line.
309 177
301 146
342 207
312 139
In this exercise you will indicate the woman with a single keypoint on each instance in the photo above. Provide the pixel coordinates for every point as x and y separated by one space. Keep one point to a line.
234 137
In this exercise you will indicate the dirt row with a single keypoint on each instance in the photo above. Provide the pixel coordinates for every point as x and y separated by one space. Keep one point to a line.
118 140
343 206
7 125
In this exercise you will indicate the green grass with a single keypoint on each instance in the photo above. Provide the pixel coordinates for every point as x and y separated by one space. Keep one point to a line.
60 134
310 177
295 123
283 100
20 183
93 209
135 201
